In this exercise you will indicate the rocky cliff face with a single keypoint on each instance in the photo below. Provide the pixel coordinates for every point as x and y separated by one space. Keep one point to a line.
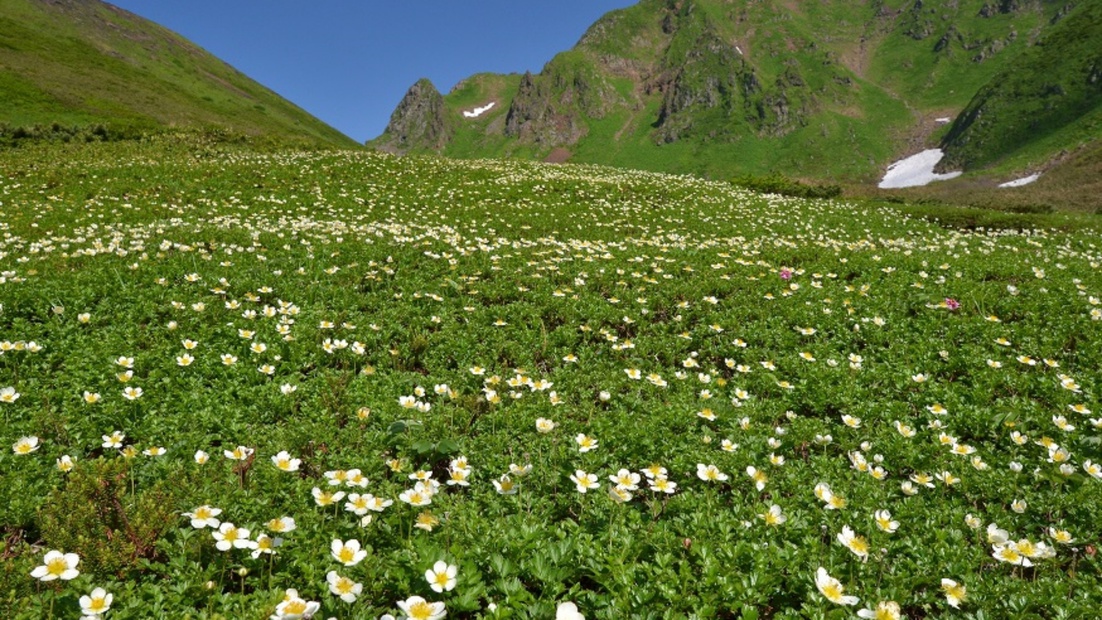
419 123
552 108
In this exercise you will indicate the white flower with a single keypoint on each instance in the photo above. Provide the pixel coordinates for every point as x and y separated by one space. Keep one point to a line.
8 395
885 610
832 589
954 592
57 565
347 553
25 445
95 604
343 587
65 463
585 443
626 480
230 536
204 516
417 608
884 521
282 525
857 544
240 453
284 462
584 481
710 473
441 576
773 516
568 611
295 608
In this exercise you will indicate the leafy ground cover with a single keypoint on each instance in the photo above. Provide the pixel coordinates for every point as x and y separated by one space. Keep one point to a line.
653 396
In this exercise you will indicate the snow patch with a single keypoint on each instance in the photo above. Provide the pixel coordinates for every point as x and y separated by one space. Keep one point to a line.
945 120
1022 181
475 113
915 170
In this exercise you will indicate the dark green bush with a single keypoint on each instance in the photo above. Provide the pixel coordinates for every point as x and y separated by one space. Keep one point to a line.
779 184
98 516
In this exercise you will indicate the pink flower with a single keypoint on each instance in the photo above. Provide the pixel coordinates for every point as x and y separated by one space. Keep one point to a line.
951 303
786 274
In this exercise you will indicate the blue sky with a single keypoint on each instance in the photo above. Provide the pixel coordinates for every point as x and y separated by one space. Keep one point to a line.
349 62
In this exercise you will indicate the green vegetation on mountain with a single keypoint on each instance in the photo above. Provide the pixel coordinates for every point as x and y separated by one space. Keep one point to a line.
1052 90
830 90
87 69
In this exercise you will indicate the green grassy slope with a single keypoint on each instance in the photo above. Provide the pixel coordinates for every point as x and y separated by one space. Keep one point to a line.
83 62
1049 99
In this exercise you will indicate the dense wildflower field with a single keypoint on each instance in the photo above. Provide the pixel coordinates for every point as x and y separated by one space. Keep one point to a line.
280 384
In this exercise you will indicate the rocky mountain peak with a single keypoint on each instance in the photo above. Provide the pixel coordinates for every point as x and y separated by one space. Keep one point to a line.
419 122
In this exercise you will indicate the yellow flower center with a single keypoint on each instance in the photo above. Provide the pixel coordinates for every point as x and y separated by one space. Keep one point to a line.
420 610
57 566
859 545
346 554
98 604
295 607
832 592
344 585
441 579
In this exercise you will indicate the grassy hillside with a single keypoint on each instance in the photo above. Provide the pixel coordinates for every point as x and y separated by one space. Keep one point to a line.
85 62
1049 99
648 395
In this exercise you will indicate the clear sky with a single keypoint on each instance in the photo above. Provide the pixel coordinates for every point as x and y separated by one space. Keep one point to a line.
348 62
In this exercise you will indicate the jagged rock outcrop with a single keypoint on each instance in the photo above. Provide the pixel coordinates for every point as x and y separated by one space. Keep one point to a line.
552 108
533 116
419 122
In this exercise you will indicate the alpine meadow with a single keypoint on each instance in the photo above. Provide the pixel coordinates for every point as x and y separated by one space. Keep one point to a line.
251 369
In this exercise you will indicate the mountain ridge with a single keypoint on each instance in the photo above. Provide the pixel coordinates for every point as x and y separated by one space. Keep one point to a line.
829 89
